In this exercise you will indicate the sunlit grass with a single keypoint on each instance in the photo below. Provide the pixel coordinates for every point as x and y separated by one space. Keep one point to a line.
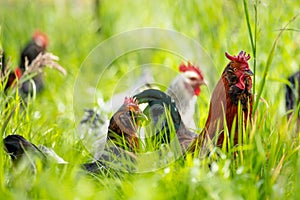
267 166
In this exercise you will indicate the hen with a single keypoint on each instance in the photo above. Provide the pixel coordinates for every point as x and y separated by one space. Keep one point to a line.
122 139
16 146
37 45
184 89
19 148
292 96
123 125
233 88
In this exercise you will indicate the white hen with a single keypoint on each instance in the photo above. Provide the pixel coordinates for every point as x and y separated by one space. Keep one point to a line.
184 89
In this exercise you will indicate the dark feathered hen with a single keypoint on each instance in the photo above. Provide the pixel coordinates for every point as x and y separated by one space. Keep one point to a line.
16 146
158 104
37 45
233 87
34 47
292 95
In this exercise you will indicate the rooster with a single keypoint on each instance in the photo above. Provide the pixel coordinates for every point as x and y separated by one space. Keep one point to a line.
184 89
158 104
233 88
37 45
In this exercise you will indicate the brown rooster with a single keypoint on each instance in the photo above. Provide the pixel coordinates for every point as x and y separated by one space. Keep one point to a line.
123 125
233 87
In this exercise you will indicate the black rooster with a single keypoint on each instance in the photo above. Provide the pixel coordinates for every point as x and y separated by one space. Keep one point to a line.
159 104
37 45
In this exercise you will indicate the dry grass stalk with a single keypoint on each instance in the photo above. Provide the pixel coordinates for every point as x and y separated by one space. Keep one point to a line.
47 60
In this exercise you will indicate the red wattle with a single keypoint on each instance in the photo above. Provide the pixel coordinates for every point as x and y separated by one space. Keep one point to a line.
241 83
197 91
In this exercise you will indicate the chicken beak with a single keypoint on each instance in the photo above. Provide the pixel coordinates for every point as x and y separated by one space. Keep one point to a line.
204 82
249 72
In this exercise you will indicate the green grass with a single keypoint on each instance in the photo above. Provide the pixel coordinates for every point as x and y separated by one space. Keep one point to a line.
268 166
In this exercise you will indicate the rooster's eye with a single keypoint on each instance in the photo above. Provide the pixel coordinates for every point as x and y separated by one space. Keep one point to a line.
193 79
234 69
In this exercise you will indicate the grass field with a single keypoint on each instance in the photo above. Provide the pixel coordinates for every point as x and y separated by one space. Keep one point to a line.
269 167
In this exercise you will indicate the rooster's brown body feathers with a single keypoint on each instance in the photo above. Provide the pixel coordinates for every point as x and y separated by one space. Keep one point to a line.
233 87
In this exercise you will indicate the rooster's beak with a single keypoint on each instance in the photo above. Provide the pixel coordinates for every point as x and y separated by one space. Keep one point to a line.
249 72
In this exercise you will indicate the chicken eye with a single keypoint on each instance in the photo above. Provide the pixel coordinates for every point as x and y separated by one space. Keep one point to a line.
234 69
129 113
193 79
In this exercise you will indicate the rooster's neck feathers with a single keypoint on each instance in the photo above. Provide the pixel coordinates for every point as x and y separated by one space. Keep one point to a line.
180 92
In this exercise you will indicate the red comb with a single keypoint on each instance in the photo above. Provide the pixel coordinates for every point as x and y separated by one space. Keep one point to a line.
41 37
190 67
131 101
241 58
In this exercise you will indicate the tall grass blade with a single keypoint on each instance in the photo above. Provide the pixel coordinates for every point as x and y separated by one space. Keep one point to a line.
252 39
269 62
